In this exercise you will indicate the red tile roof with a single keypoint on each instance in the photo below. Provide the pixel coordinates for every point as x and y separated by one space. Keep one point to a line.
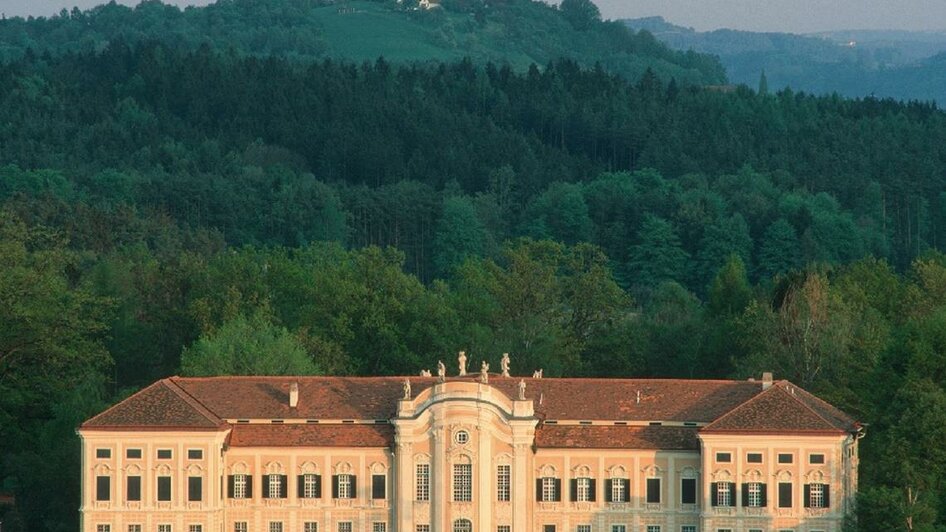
726 406
783 408
617 437
298 435
161 406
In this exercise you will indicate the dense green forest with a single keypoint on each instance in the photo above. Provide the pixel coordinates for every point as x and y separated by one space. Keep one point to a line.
517 32
193 208
887 64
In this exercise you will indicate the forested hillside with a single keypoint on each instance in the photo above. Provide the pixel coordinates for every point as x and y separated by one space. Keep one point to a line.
517 32
176 209
900 65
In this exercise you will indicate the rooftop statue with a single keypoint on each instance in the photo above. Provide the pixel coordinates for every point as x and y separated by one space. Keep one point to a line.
484 373
441 370
407 389
461 358
504 364
522 389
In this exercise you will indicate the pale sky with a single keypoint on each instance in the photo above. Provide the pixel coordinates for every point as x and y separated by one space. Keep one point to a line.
798 16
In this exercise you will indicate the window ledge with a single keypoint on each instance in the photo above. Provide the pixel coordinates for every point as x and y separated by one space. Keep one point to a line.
548 506
724 510
619 506
755 510
652 506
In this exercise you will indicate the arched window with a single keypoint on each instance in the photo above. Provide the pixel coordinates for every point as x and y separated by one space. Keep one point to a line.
462 525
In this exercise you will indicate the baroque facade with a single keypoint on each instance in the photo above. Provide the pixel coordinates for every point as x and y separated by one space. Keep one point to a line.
476 453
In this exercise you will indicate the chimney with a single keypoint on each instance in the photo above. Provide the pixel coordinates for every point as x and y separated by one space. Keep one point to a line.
293 395
766 380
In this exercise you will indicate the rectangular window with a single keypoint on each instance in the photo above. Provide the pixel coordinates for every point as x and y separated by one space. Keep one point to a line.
423 483
275 526
816 458
164 489
194 488
164 528
240 526
378 486
275 487
507 528
344 526
618 528
195 528
583 489
134 528
754 458
503 476
103 453
754 495
310 486
103 528
103 488
548 528
619 490
462 482
786 458
724 458
379 526
816 495
584 528
422 528
164 454
344 488
195 454
724 495
653 491
133 488
548 489
653 528
239 486
688 491
755 530
310 526
688 528
133 454
784 494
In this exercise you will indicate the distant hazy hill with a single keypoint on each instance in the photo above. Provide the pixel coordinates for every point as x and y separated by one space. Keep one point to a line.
897 64
518 32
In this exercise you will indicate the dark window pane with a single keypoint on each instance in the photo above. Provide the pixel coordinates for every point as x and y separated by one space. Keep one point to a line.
653 490
103 453
785 458
688 491
164 488
164 454
784 494
816 459
194 486
134 488
754 458
103 488
133 453
724 458
195 454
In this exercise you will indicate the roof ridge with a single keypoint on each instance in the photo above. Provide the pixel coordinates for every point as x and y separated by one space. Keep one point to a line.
785 382
192 401
777 385
734 410
117 403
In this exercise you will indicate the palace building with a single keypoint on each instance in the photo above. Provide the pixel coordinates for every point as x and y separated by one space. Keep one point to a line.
472 453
